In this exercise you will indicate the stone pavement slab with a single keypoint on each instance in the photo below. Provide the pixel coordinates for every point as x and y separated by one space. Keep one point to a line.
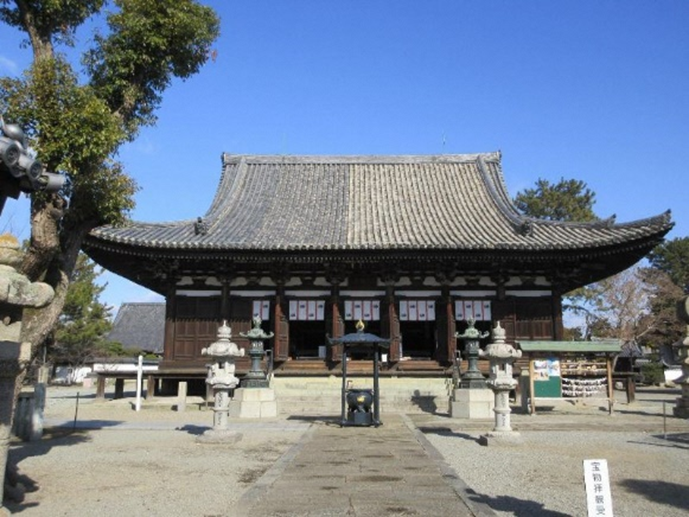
361 471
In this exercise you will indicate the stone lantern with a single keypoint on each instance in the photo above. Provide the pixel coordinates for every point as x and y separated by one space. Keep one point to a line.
222 380
471 398
681 408
17 292
501 381
256 378
255 398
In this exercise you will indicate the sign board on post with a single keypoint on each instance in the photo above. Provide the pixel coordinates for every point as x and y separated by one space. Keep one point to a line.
598 495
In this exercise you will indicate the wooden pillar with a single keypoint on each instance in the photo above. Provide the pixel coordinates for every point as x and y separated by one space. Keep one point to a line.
225 300
170 309
558 326
337 327
119 388
393 321
281 326
446 328
608 368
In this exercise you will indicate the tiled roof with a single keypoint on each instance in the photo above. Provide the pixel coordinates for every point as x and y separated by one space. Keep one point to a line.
140 326
443 202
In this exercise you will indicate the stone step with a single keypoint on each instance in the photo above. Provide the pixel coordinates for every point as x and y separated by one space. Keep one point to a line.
306 395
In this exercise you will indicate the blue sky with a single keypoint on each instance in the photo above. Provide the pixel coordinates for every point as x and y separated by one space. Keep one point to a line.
591 90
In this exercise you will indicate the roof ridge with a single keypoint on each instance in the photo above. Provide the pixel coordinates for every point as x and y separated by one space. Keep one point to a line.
498 192
229 159
662 220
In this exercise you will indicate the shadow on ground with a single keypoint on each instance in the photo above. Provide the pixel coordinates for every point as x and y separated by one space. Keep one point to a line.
425 403
16 483
662 492
514 505
317 419
446 431
194 430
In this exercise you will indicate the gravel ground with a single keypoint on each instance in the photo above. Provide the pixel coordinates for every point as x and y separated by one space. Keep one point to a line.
149 462
141 463
544 476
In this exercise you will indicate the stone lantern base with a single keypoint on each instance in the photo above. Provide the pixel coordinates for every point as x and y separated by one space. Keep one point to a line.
681 409
254 403
472 403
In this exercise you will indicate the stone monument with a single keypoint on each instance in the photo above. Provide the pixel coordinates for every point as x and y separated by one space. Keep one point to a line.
255 398
501 381
681 408
472 398
16 293
222 380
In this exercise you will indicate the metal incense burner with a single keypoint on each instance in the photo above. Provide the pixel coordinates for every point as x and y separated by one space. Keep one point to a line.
360 407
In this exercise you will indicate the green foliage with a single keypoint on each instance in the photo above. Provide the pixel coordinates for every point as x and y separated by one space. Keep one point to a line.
116 349
78 120
78 128
572 334
51 18
149 43
75 134
653 373
85 321
567 200
672 257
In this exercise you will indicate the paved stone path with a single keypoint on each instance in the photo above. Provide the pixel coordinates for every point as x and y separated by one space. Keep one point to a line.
361 471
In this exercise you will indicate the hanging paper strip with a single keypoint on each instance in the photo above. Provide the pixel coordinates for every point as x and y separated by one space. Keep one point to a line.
261 308
307 310
479 310
487 314
417 310
404 310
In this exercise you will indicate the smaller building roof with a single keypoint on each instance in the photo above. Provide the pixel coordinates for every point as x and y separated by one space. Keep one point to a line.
140 325
572 347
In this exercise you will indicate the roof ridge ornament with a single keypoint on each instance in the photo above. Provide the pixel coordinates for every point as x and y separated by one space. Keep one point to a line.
526 228
200 226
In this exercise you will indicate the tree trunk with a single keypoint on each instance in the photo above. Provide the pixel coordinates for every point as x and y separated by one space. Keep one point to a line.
38 323
44 245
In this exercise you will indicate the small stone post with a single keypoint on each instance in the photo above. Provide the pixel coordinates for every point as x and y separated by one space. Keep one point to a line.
681 408
222 380
501 381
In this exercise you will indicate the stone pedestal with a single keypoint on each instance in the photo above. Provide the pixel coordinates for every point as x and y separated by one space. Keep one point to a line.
681 409
254 403
472 403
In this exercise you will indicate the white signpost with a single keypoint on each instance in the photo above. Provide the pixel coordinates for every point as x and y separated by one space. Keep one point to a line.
598 495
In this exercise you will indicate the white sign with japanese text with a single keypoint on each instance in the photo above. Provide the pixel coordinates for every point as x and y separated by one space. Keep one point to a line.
598 496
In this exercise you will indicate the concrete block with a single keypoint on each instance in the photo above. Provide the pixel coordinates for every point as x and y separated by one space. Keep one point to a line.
472 403
254 403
